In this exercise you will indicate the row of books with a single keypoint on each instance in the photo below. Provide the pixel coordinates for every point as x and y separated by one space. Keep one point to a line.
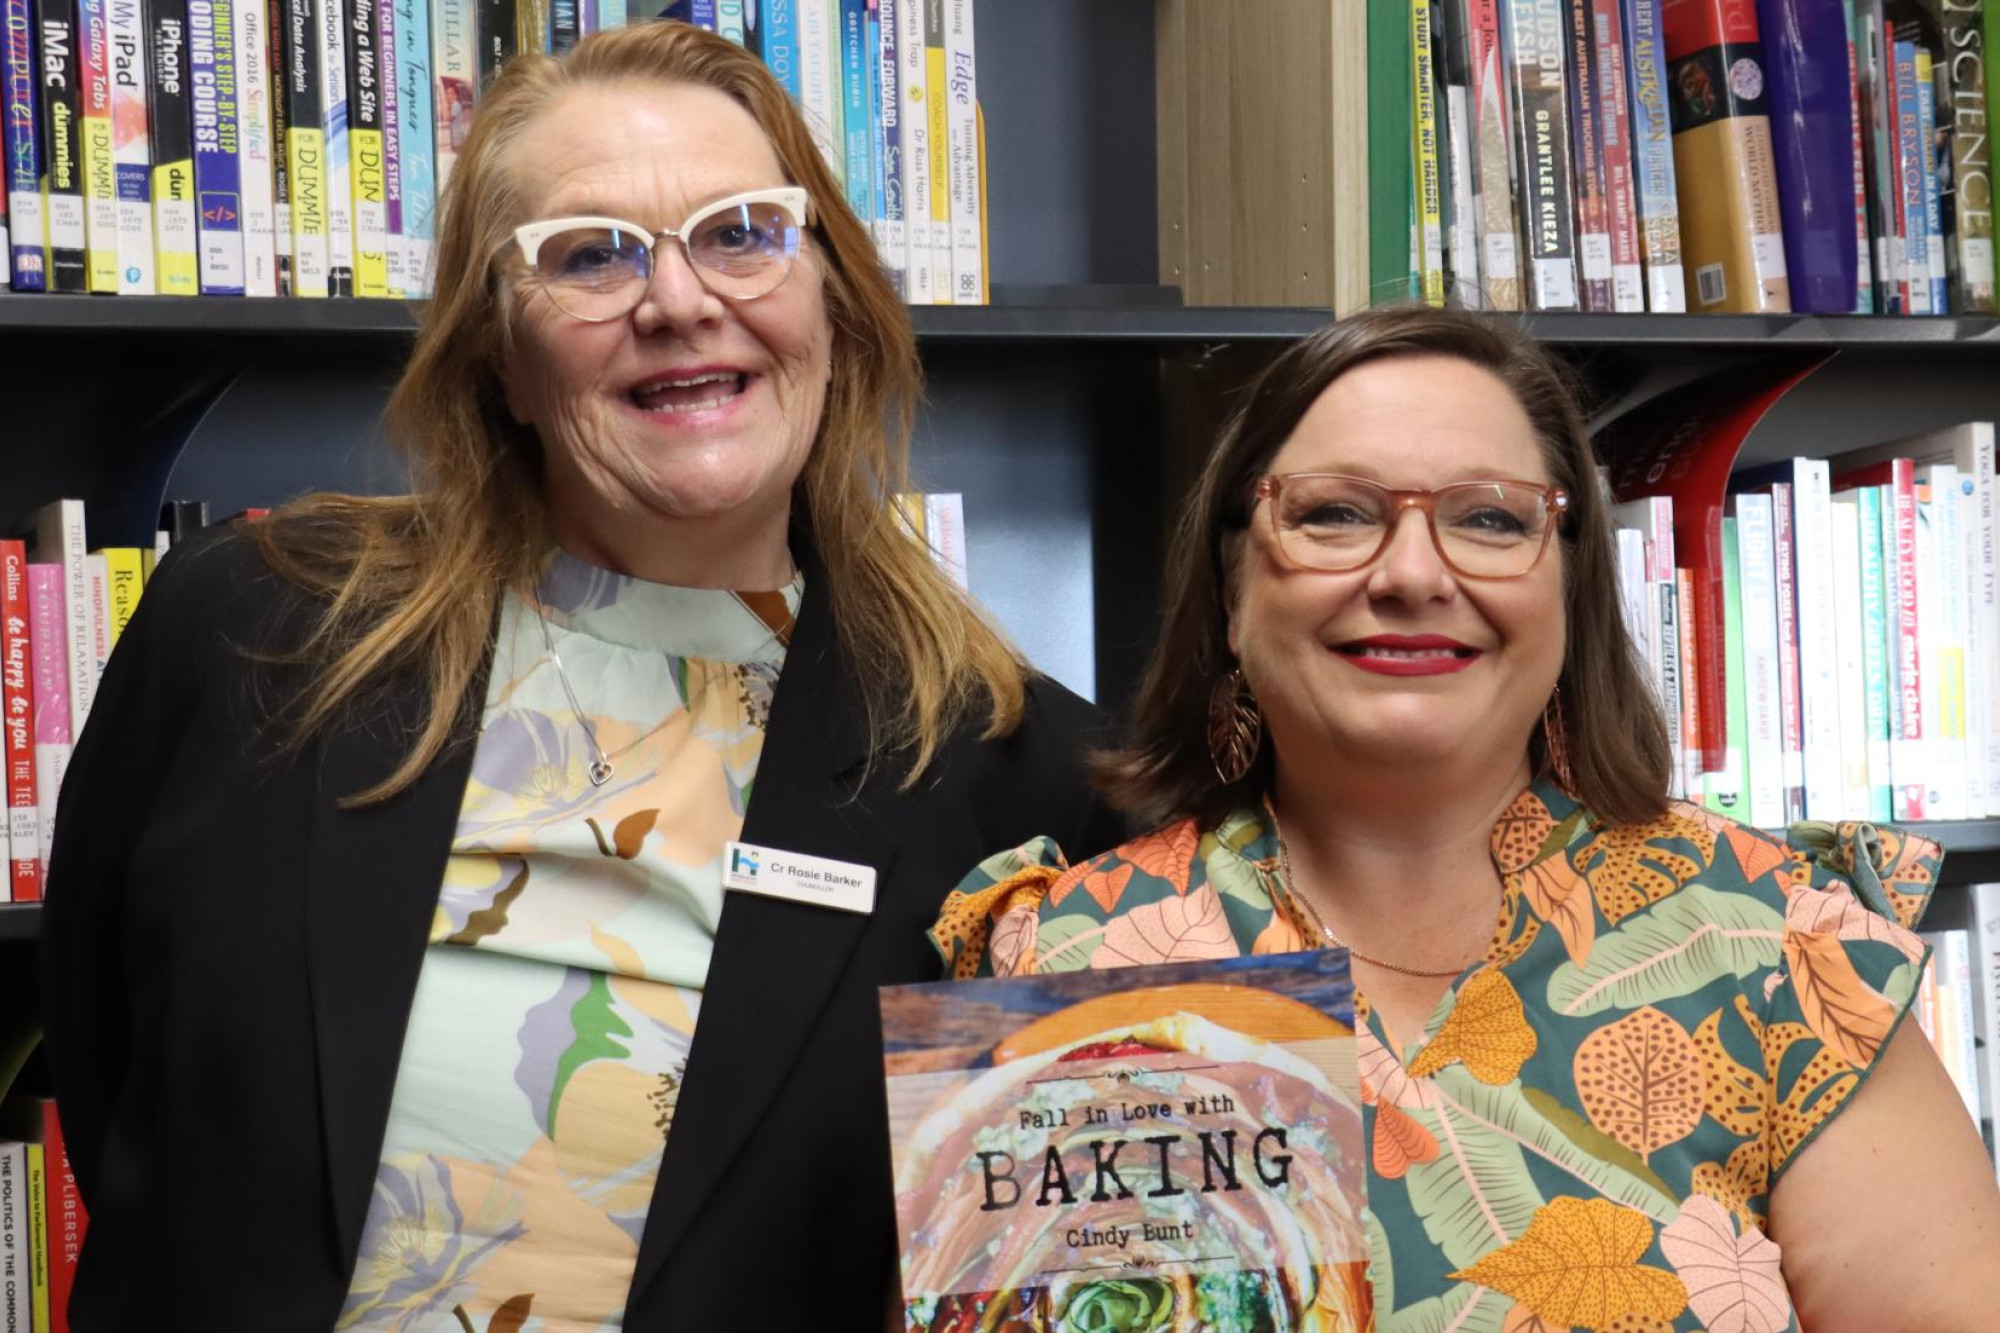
1861 635
1823 156
297 147
1958 1006
42 1219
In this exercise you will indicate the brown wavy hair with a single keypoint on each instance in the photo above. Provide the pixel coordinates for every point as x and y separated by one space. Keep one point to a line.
414 582
1619 752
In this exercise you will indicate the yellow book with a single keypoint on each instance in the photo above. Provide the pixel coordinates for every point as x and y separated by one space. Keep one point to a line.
174 228
371 255
125 576
149 560
1430 190
937 112
38 1241
100 200
305 162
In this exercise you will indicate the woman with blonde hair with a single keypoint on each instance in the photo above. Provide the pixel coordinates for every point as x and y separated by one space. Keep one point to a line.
391 977
1626 1064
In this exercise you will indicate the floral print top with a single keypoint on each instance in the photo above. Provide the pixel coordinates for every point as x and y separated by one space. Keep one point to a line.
567 956
1587 1131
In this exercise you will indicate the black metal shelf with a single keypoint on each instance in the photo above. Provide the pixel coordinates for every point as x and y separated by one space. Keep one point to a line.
1037 315
20 921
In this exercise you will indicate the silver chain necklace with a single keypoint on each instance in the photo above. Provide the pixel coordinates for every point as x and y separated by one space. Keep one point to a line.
601 769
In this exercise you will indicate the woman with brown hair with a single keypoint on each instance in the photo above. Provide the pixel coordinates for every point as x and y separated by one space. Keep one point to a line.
1626 1063
391 977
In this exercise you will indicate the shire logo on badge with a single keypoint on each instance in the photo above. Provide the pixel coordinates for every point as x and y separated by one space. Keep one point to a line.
742 863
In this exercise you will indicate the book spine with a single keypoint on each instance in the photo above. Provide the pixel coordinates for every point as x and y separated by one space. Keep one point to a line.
38 1237
1392 200
1819 671
1875 632
62 145
916 130
1493 162
276 73
532 21
417 140
1959 748
1851 682
131 151
968 252
1764 706
1593 224
387 56
48 646
1614 108
1927 136
565 28
305 150
16 1309
1811 130
1732 239
125 579
856 127
100 162
1911 223
60 538
944 532
1667 650
1875 51
1984 655
1864 296
21 141
1984 947
253 135
1956 987
67 1223
894 241
1906 753
1540 109
217 165
17 717
729 20
495 23
1969 81
364 147
1727 790
779 21
330 16
937 96
1429 180
819 74
1689 720
176 235
1784 579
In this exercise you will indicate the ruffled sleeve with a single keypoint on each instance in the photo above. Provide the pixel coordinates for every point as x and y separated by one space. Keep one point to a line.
1850 969
986 924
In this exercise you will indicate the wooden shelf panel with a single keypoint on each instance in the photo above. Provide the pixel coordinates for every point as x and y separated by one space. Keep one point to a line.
1131 315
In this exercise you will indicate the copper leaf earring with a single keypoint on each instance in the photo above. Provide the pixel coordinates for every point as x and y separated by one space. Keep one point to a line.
1235 727
1555 742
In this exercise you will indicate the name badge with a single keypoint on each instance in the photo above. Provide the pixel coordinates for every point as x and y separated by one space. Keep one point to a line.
803 879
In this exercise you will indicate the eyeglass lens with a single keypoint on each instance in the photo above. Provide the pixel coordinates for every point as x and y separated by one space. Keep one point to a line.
602 272
1486 529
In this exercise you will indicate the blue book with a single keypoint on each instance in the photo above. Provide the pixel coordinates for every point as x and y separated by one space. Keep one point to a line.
417 162
22 182
1652 135
778 24
218 171
1935 159
700 13
857 114
1911 157
1875 647
889 81
1812 139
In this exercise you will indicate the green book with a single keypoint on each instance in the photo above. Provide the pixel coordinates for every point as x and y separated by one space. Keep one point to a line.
1728 791
1876 638
1392 201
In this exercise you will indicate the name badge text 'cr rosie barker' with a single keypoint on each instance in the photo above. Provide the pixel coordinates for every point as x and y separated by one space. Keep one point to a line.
817 880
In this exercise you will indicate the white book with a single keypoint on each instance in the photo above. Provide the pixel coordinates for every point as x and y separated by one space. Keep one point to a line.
819 80
944 532
916 123
130 71
59 538
1667 622
331 15
1941 640
1984 943
1653 518
16 1316
1766 743
963 167
1970 448
1464 268
256 146
1957 1046
1819 685
1634 605
1848 649
97 575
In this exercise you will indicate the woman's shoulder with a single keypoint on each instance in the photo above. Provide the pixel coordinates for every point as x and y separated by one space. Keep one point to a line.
1181 891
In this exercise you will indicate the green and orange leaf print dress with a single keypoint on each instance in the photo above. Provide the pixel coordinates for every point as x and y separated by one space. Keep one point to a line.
567 957
1586 1134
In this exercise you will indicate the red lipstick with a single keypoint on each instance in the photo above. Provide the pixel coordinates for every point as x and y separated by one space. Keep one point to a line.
1409 654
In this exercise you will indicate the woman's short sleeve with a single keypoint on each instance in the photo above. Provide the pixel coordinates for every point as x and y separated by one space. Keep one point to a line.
1851 966
970 933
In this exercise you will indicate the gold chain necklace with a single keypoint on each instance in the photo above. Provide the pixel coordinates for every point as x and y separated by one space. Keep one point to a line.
1326 931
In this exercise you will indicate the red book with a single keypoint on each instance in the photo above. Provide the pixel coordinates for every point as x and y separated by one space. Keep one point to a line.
67 1222
17 725
1621 185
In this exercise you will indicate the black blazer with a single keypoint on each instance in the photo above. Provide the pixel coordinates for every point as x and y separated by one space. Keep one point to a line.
229 960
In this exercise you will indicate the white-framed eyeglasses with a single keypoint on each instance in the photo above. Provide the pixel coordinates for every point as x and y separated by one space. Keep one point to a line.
598 268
